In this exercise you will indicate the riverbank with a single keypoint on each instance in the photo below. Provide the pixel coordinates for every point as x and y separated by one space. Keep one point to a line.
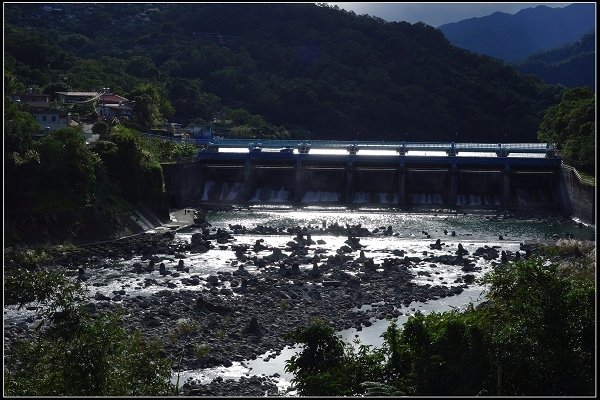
217 291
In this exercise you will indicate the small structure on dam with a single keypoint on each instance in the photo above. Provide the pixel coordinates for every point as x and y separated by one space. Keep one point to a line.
392 174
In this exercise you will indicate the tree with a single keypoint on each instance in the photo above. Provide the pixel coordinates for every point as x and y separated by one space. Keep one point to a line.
136 169
102 129
323 352
191 103
534 336
18 127
68 166
78 355
142 66
571 124
151 109
21 160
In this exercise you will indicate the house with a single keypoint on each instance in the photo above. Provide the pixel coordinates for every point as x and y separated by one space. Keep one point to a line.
111 98
50 119
201 131
112 105
76 97
33 99
110 111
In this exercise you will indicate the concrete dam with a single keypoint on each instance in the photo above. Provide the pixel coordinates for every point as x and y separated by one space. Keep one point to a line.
383 174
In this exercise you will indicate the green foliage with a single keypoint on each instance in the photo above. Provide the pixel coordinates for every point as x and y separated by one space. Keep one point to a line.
549 318
151 109
55 171
53 290
190 102
134 167
99 358
78 355
69 167
571 65
18 127
60 173
306 67
380 389
201 350
323 352
186 326
102 129
326 366
533 336
571 124
167 151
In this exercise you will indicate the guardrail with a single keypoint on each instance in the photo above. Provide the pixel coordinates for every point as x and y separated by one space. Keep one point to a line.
353 146
381 145
584 180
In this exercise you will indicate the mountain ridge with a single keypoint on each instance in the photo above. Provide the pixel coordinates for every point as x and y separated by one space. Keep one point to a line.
513 37
571 65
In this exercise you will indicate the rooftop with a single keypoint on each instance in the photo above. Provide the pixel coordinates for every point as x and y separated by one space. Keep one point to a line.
78 93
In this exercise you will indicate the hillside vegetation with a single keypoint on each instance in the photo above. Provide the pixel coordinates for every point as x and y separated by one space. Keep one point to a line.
571 124
58 189
572 65
318 71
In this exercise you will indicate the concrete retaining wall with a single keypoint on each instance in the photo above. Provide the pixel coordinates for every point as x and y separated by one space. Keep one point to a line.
183 183
577 197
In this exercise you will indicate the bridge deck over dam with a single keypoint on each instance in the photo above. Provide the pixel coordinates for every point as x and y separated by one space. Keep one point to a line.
394 174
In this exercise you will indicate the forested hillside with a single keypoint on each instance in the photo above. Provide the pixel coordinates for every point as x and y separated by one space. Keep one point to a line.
318 71
571 65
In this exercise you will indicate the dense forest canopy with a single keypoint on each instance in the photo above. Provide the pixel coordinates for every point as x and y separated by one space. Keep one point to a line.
319 71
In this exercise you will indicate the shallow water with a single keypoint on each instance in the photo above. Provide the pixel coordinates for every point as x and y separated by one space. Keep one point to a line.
410 232
483 226
371 335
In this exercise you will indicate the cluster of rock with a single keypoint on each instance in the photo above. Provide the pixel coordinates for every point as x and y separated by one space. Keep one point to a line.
239 315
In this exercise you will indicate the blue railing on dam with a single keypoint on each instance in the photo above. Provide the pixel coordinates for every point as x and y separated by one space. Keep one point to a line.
381 145
501 149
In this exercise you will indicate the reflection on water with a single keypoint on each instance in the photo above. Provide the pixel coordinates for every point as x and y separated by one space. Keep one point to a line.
410 230
410 233
484 226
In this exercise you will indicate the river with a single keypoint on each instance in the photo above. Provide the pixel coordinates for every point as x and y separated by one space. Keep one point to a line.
410 232
390 232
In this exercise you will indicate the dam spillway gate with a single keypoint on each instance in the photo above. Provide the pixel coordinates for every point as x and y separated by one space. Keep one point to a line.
354 174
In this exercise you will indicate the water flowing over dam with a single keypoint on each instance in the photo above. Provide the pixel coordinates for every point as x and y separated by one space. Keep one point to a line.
382 174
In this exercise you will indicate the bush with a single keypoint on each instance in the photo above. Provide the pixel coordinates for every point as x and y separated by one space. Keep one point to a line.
328 367
77 354
534 336
571 124
99 358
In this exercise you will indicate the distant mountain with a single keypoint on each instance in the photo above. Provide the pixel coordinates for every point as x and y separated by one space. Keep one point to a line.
512 38
571 65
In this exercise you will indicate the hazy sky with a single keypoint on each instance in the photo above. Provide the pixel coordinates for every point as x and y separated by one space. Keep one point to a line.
436 14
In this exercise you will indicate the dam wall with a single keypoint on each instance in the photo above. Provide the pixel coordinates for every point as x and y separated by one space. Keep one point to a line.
355 180
578 198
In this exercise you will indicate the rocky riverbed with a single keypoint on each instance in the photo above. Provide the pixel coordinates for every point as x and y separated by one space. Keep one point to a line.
215 296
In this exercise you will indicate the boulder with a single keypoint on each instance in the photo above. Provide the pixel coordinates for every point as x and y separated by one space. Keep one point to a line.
253 327
101 296
206 305
461 250
437 245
